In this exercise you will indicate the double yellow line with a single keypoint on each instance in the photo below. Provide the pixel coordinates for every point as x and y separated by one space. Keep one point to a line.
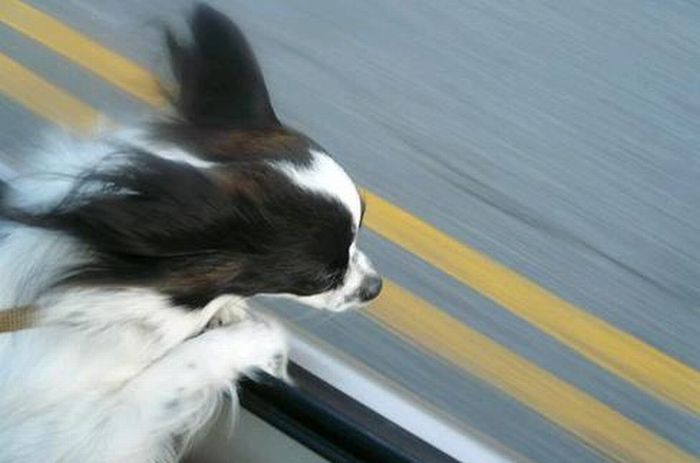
399 310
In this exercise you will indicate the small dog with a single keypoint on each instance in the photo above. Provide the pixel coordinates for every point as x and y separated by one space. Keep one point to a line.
138 249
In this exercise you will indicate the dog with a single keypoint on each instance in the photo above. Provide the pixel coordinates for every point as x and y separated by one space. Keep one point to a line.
137 251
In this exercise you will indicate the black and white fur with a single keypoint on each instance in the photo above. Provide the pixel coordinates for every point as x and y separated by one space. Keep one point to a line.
139 249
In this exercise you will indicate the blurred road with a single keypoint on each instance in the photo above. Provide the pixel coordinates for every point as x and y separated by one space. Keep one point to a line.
558 138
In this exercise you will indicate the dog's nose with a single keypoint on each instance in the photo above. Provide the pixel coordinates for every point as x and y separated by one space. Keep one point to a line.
370 288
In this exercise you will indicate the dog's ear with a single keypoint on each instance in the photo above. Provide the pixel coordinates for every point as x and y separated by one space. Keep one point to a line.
219 79
148 220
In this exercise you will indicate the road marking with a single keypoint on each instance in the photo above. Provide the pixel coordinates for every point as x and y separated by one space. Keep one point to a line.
598 341
598 425
603 344
76 47
44 99
427 327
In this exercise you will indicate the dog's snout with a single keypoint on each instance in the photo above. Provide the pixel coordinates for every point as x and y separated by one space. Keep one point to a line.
370 288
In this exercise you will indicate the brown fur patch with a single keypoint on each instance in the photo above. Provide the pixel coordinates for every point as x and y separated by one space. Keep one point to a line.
221 145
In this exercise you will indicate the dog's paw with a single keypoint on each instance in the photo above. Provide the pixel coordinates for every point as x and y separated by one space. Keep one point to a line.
220 356
232 310
253 342
267 348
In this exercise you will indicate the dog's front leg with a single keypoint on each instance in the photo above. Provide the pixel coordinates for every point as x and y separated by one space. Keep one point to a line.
172 398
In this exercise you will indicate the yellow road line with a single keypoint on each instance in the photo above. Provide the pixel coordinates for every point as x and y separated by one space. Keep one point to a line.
297 331
43 98
598 341
593 422
65 41
426 326
607 346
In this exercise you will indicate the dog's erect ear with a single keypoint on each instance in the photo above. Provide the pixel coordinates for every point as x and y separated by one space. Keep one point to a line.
220 83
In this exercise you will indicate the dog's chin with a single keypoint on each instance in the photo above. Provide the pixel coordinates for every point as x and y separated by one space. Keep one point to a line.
361 287
329 302
353 304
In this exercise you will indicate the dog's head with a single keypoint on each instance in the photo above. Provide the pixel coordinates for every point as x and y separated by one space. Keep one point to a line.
222 198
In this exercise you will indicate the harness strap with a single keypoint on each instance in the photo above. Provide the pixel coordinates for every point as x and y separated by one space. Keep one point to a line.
17 318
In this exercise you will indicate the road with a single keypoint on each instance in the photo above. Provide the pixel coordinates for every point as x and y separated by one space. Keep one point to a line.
558 139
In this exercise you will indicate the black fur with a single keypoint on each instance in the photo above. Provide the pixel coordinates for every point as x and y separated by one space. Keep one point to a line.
238 228
167 225
219 81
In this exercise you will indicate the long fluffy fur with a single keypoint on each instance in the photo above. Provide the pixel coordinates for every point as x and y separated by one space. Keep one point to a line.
113 372
138 250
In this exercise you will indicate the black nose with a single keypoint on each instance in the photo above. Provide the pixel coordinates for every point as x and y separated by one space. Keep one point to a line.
370 288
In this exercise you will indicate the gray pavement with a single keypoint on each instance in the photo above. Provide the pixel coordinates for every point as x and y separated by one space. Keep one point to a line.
559 137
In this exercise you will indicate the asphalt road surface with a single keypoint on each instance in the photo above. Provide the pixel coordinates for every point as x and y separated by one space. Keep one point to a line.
559 138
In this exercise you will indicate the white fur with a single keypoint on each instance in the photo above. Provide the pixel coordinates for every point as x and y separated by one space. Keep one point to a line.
23 262
325 176
108 374
137 137
49 174
119 374
343 297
